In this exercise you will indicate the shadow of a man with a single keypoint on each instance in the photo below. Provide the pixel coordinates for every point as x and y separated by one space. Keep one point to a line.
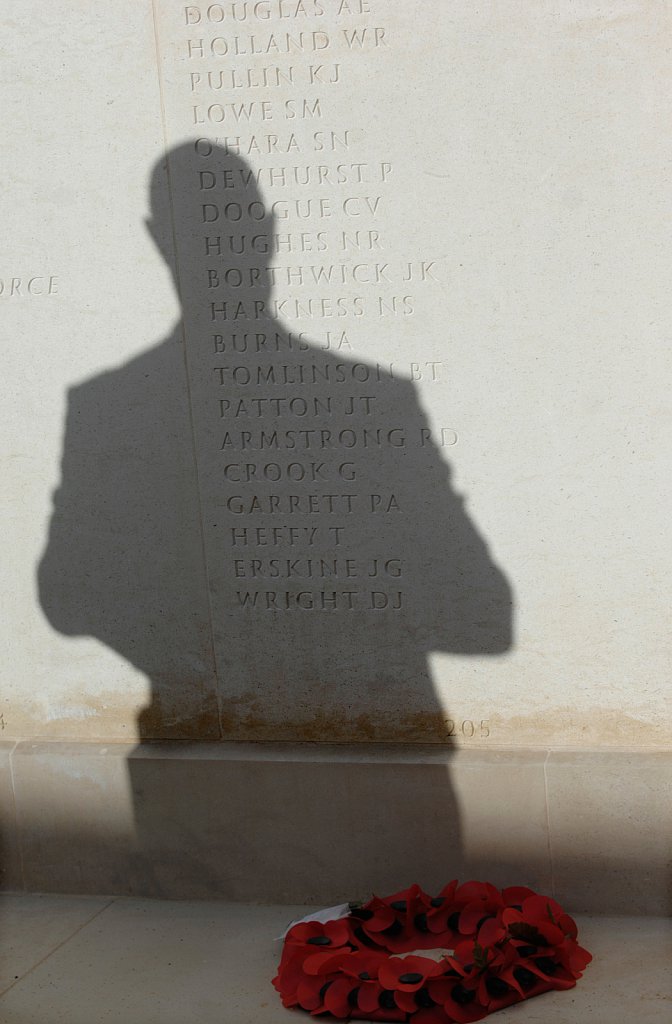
261 525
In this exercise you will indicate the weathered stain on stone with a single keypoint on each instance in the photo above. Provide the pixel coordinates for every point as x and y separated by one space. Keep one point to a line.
181 710
336 727
190 711
565 726
157 723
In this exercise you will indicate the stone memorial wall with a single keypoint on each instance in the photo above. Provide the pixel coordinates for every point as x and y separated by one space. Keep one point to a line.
339 555
336 337
394 474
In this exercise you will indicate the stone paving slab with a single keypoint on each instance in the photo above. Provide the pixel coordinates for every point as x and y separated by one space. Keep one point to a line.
32 927
170 962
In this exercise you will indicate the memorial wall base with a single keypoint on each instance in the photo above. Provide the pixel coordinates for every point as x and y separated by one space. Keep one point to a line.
322 824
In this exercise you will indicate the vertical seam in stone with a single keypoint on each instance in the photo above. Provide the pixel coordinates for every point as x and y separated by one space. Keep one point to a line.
549 841
213 652
17 832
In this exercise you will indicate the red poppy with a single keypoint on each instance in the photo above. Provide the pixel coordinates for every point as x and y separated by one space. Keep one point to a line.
287 991
491 931
443 916
461 1002
409 902
469 956
370 993
304 940
525 981
446 895
325 963
311 992
480 900
531 928
373 918
340 998
363 964
417 901
573 957
371 1001
542 907
319 934
411 907
409 973
548 969
494 991
290 975
543 912
514 895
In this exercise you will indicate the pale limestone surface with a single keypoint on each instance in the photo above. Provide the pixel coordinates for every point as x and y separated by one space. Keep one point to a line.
164 963
80 81
521 151
32 927
10 857
624 800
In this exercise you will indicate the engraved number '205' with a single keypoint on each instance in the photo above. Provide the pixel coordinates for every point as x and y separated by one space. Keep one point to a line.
467 728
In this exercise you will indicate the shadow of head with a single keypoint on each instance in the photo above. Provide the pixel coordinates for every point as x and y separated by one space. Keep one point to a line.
206 202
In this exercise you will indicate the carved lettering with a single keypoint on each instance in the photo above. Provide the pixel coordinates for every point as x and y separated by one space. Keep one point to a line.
265 45
289 415
28 287
248 10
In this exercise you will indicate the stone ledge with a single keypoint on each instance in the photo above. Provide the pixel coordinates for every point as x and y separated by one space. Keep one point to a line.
310 823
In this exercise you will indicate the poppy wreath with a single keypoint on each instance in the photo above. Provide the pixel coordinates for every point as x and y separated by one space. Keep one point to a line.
502 946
